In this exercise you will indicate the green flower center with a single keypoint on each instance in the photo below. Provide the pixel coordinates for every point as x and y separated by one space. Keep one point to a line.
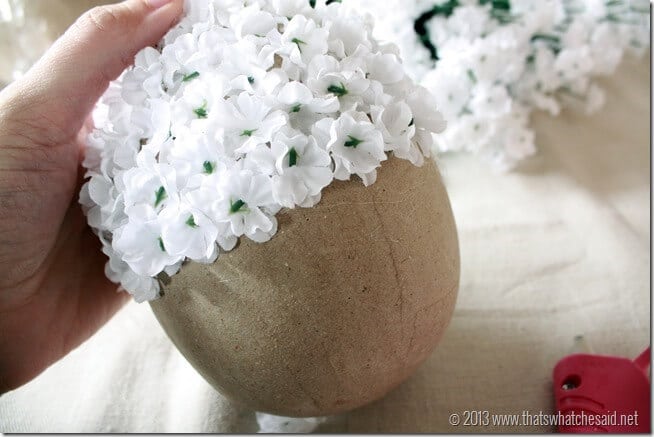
338 90
201 112
248 133
159 196
471 76
209 167
292 157
190 77
299 43
552 41
353 142
236 207
191 222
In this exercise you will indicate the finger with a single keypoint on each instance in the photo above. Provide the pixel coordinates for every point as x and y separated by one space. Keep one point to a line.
63 86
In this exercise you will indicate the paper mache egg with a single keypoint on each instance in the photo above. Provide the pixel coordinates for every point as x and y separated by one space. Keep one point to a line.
263 178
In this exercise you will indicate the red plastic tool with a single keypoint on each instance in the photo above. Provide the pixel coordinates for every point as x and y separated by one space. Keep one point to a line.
615 391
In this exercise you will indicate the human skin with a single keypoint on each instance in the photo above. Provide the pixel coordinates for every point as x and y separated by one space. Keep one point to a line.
53 291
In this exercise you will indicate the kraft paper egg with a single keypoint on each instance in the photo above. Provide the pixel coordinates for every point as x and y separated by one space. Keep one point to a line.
340 307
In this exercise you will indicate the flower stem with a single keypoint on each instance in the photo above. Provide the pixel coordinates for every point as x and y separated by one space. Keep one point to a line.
420 25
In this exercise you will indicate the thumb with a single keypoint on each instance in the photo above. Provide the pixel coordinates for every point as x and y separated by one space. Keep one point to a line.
59 92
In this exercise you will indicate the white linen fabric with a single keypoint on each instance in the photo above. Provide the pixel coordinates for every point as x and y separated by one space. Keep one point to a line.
555 249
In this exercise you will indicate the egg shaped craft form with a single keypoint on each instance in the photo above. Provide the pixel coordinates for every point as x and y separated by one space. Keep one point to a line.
261 177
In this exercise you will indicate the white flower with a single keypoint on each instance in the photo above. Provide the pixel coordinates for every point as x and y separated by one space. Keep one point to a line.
355 145
572 64
303 169
182 59
454 90
247 122
384 68
143 288
469 21
490 100
297 97
326 78
198 103
187 232
144 80
303 108
246 65
291 8
519 141
423 108
427 119
348 31
161 122
152 184
243 202
474 132
141 244
104 203
194 154
303 40
204 198
397 125
251 20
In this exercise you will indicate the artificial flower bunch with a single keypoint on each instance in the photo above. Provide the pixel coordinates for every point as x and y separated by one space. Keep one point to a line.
245 108
490 63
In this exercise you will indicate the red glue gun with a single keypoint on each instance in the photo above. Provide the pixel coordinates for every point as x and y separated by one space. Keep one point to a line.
602 394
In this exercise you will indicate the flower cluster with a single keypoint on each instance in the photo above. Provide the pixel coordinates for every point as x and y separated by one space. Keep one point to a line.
490 63
245 108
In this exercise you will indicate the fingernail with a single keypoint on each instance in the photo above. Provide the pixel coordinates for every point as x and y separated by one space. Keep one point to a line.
156 4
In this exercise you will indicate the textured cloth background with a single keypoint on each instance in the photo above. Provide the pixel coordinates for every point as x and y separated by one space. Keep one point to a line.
554 250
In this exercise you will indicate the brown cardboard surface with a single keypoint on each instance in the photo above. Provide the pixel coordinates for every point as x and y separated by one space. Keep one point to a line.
338 308
556 249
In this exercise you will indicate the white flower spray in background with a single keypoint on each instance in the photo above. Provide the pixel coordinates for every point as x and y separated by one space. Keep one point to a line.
490 63
247 107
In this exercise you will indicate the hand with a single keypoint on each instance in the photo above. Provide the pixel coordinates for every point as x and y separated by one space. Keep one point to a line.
53 291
